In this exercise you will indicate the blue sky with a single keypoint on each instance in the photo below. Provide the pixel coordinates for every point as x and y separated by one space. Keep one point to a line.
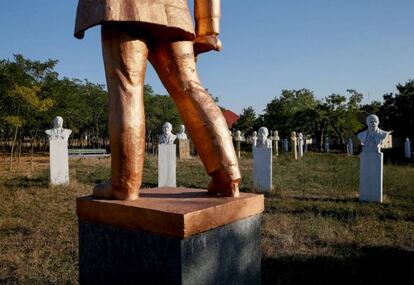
327 46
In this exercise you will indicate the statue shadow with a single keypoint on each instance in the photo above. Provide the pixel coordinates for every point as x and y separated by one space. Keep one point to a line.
352 265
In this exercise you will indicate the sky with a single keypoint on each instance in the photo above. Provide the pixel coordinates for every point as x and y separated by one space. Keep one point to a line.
327 46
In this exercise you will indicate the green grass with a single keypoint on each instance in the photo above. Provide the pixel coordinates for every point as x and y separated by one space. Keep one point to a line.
314 230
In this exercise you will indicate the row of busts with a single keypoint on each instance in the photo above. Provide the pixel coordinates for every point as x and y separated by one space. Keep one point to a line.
261 138
167 137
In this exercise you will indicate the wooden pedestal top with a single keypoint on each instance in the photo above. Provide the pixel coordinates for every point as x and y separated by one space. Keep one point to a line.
177 212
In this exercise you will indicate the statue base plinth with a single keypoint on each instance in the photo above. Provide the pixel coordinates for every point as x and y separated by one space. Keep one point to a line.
371 176
170 236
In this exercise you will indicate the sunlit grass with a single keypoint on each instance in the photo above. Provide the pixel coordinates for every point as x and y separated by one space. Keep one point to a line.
314 229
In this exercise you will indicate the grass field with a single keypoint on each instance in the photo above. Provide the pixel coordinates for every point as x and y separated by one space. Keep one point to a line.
314 229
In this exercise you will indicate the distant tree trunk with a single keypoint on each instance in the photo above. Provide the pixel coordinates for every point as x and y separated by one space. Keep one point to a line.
3 143
12 148
32 147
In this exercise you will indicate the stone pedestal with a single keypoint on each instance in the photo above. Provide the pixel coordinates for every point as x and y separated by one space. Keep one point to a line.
262 169
285 145
166 165
170 236
183 148
59 163
407 149
327 147
238 149
350 148
276 147
300 148
370 177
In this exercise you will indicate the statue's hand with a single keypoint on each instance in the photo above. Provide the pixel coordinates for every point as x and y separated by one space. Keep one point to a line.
206 43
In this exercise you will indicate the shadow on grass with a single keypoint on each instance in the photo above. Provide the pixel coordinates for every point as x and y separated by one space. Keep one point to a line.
367 265
41 180
326 199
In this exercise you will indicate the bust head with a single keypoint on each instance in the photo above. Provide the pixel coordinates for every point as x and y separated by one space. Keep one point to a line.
372 122
275 133
167 128
58 122
262 135
254 135
182 129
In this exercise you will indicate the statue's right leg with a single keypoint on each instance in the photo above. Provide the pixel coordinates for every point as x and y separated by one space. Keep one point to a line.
125 59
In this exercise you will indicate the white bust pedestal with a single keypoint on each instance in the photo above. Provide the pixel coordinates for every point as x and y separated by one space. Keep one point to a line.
300 148
262 168
370 176
59 163
166 165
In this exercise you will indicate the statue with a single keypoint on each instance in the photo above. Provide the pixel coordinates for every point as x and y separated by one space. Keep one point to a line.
238 139
254 138
181 135
58 152
300 144
262 140
238 136
293 139
132 32
58 132
167 136
276 140
372 138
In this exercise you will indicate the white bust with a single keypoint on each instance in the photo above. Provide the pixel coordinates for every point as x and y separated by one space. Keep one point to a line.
58 132
262 140
372 138
181 133
238 136
293 137
167 136
300 138
276 136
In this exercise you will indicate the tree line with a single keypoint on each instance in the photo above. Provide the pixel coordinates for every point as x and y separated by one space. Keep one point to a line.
336 116
32 94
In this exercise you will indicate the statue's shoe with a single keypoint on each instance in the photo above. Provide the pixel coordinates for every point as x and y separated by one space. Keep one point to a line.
228 189
106 191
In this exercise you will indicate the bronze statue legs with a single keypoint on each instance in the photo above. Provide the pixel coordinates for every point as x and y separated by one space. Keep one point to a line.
125 62
175 65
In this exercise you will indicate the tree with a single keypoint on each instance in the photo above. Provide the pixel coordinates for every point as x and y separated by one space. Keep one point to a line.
158 110
247 120
344 115
281 113
396 113
20 94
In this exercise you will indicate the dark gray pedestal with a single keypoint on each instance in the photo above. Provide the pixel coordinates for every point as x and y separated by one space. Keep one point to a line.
229 254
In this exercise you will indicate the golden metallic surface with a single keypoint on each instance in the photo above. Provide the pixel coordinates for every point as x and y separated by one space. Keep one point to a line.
168 16
177 212
131 34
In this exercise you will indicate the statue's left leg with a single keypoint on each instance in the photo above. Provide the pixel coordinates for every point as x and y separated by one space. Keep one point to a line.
175 65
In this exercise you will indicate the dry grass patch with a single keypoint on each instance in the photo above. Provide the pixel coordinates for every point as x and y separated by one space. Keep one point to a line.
314 230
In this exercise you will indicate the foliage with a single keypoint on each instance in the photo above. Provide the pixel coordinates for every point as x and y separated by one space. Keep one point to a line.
247 120
158 110
396 113
344 115
32 94
280 113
